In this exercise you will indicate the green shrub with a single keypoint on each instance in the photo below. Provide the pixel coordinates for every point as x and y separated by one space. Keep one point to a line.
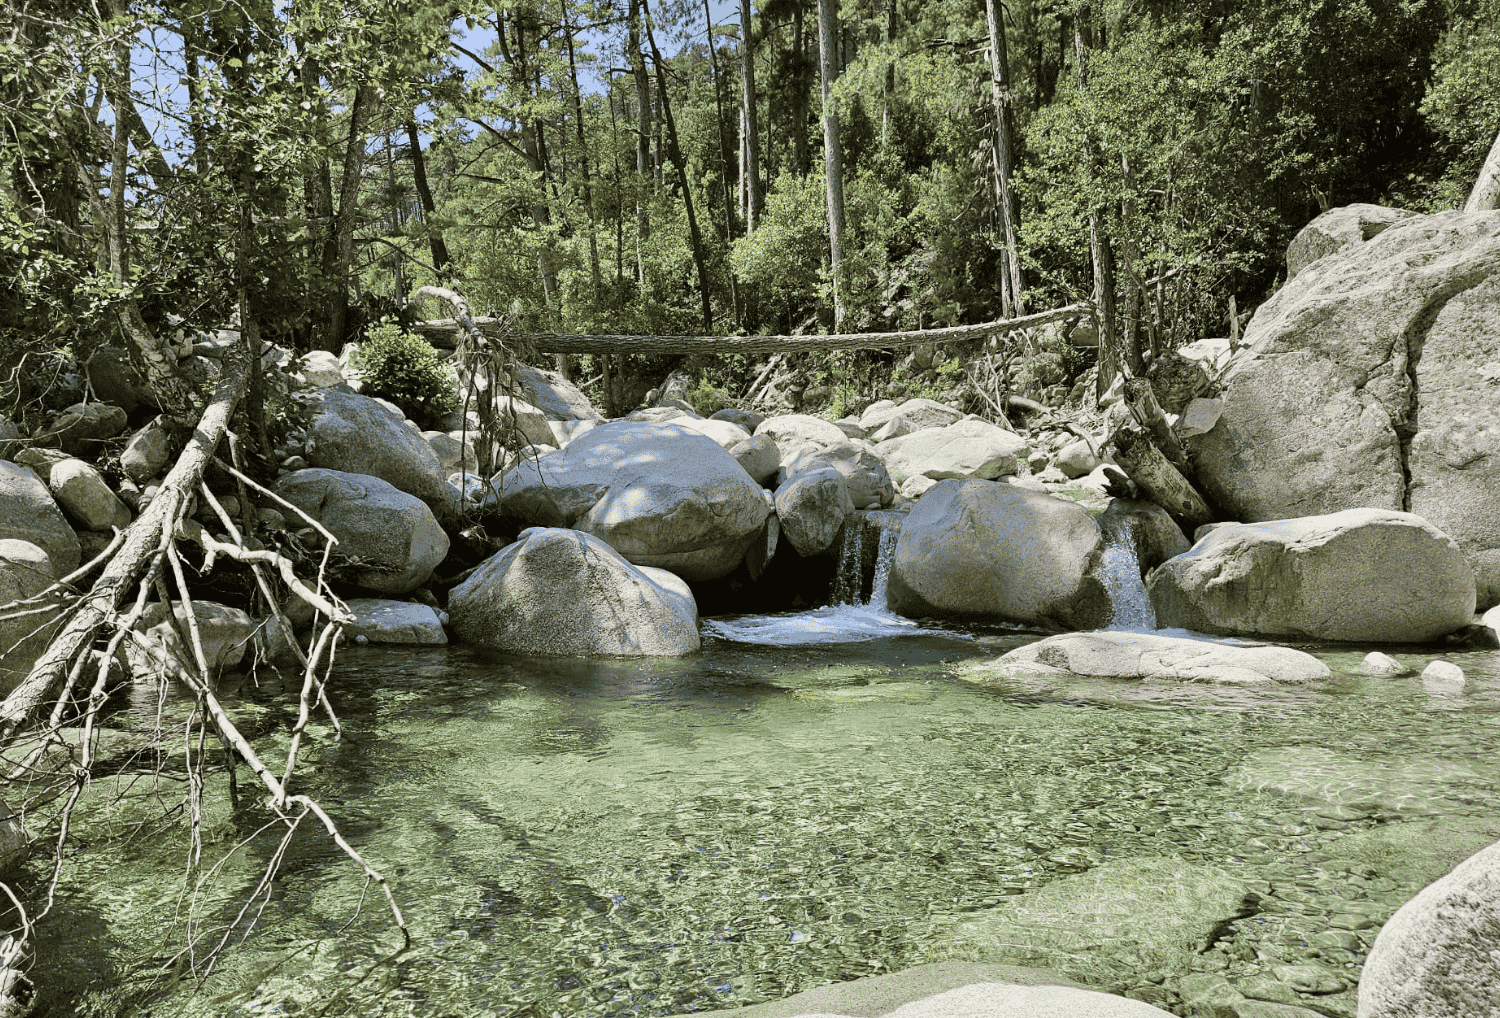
407 371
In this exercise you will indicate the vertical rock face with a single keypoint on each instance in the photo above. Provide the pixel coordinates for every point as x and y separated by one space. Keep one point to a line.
1361 574
987 550
1372 379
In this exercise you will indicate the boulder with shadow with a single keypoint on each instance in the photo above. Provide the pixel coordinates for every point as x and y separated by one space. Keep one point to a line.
564 593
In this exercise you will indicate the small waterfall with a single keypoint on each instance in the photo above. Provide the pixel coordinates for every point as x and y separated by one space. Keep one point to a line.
1120 572
849 581
883 559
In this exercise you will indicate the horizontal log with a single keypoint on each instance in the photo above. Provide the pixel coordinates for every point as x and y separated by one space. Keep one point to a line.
445 332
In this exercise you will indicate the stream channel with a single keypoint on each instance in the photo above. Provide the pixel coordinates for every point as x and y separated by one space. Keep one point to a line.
813 797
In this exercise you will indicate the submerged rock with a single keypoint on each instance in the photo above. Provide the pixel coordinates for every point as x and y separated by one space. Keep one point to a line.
1149 656
565 593
1156 912
1357 575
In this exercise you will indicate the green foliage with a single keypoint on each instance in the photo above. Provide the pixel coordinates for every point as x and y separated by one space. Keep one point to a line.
706 398
1463 103
407 371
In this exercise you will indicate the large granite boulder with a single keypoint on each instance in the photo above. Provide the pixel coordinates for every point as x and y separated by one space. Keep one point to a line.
1372 379
799 434
885 419
28 513
1151 656
81 428
984 550
1359 575
394 537
355 434
811 506
380 620
1338 229
25 571
659 494
863 468
555 396
1436 957
565 593
970 448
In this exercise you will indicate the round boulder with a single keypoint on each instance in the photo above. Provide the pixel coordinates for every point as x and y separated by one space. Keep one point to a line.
1357 575
659 494
967 449
564 593
392 534
355 434
982 550
811 506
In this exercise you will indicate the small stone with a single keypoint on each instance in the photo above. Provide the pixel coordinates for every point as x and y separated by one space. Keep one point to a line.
1376 663
272 519
1443 673
1334 940
362 639
293 463
1309 978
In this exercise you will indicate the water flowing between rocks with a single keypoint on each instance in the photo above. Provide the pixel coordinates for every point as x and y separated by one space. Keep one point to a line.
814 797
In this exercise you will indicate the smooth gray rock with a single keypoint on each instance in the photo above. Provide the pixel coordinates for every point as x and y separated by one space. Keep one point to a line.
147 453
747 419
565 593
1357 575
225 634
1149 656
393 534
1367 381
726 433
1006 1000
967 449
1437 956
760 458
886 419
25 571
861 465
797 434
355 434
28 513
80 428
380 620
984 550
660 494
85 497
1336 230
811 507
555 396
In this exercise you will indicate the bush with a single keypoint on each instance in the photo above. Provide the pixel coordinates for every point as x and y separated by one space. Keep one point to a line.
407 371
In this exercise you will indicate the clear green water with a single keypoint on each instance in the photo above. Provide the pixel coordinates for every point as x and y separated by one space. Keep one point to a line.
652 838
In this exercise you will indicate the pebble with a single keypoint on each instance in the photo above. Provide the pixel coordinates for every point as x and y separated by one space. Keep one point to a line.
361 639
1335 940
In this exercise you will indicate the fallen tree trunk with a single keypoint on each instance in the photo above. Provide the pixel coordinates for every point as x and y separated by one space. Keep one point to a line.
445 334
1157 478
147 536
1148 414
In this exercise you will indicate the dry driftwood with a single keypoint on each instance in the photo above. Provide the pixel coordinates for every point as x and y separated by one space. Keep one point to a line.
1141 400
1157 478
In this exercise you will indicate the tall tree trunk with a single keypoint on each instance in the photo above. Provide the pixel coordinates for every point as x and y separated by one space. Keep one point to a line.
833 157
726 166
888 90
1130 262
801 159
1101 254
1005 197
750 136
680 165
583 158
340 267
642 140
435 242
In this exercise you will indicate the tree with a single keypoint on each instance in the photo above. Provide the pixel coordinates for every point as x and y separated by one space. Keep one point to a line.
833 158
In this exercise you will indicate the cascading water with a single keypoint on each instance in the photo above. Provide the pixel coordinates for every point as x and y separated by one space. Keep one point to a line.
848 617
1120 572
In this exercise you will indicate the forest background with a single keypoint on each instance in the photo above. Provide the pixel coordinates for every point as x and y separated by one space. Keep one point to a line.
677 167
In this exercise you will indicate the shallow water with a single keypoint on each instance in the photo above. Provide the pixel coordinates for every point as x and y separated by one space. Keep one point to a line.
656 837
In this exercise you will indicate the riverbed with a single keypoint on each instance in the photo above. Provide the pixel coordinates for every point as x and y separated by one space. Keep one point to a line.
814 797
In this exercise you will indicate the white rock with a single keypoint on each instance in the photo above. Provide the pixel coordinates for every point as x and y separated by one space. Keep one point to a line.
84 496
1443 673
377 620
1376 663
